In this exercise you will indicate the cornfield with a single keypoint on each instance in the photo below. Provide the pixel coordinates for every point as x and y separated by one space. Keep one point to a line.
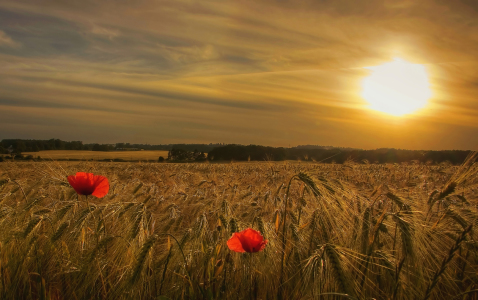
351 231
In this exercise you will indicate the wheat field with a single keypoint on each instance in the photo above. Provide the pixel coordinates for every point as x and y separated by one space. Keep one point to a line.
350 231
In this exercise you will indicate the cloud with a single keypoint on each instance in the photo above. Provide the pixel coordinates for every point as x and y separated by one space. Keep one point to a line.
103 31
7 41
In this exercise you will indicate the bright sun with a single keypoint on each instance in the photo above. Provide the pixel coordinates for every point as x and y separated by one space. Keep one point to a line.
397 88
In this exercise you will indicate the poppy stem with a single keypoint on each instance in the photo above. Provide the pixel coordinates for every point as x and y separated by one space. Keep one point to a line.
89 210
87 203
252 275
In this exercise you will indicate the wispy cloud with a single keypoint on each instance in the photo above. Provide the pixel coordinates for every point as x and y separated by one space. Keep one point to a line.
7 41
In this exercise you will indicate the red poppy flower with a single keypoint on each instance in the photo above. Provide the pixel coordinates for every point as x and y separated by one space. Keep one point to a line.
248 240
89 184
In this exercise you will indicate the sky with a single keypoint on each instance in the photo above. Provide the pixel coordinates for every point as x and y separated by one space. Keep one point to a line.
271 72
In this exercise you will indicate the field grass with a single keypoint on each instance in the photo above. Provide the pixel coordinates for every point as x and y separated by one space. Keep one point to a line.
334 231
146 155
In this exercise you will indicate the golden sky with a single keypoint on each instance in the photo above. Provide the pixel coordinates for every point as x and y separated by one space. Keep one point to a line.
275 73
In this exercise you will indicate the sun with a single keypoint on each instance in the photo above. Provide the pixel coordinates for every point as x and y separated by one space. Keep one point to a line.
397 88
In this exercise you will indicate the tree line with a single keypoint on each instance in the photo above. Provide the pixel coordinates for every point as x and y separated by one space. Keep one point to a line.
18 145
22 145
234 152
335 155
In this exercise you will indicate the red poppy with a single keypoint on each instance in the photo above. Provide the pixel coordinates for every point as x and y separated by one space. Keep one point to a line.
89 184
248 240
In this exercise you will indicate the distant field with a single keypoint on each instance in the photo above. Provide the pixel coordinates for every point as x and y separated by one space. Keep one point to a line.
99 155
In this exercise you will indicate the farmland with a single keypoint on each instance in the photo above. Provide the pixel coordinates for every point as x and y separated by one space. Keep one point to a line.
356 231
151 155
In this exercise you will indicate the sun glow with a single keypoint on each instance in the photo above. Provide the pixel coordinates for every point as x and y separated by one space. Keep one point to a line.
397 88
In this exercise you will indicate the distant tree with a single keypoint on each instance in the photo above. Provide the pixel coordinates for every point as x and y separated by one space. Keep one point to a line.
161 159
102 147
59 144
179 155
50 145
20 147
200 157
248 153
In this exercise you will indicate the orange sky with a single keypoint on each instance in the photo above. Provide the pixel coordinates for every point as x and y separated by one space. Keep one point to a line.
268 72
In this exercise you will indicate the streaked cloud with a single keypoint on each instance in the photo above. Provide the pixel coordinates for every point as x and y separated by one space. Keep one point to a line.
7 41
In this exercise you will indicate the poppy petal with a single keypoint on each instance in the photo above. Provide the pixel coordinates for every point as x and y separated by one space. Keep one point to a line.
101 185
248 240
262 246
78 182
254 239
89 184
72 181
234 243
